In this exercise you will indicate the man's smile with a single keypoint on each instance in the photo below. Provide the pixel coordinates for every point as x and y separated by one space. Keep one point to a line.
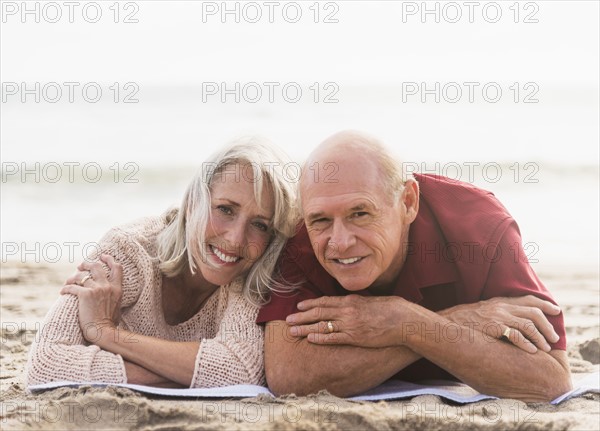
347 261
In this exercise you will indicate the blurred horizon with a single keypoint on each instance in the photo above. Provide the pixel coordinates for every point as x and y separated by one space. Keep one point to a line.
519 90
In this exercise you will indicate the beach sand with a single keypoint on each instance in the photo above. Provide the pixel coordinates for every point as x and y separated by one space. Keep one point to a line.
27 291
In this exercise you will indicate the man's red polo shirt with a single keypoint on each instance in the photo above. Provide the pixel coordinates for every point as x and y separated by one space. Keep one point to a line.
463 247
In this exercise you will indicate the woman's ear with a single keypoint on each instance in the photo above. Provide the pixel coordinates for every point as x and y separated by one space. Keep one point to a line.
410 200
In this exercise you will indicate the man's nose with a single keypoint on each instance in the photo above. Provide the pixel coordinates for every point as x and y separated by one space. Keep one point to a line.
342 238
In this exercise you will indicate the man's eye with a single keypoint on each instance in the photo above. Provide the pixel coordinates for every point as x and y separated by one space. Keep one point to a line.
359 214
319 222
225 209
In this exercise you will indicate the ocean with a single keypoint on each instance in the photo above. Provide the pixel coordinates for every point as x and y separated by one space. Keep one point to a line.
70 171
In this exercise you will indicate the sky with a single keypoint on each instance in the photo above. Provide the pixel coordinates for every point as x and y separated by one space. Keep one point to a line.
376 60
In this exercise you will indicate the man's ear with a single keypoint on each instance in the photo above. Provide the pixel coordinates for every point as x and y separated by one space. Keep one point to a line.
410 200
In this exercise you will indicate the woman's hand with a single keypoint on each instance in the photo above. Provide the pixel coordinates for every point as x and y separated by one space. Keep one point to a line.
99 295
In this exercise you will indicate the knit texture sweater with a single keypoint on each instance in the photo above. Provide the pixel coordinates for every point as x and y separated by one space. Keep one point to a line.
231 343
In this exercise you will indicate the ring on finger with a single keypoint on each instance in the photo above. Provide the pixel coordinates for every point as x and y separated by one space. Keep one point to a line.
506 333
86 278
330 328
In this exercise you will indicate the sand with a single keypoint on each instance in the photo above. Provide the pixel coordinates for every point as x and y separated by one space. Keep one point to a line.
27 291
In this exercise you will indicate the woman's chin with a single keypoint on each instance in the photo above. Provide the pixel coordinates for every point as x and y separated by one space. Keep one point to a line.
221 276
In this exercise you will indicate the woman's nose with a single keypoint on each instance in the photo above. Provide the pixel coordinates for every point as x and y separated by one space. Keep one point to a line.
235 234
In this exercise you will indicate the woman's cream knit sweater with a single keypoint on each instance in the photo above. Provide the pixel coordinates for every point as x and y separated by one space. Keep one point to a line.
231 343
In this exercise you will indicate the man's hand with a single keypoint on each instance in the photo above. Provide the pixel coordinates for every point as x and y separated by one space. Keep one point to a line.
355 320
377 321
525 316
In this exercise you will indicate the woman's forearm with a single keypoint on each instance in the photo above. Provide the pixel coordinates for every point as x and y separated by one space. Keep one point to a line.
59 351
138 375
172 360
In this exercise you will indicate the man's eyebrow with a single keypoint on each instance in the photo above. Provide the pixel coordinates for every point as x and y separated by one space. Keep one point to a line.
358 207
314 216
365 206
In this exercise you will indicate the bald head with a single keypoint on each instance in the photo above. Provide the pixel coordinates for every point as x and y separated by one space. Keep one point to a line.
348 143
351 152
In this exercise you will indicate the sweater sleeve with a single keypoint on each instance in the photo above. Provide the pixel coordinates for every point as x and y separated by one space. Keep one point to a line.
60 352
235 356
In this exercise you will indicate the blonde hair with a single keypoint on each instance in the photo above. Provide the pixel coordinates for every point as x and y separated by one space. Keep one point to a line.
181 244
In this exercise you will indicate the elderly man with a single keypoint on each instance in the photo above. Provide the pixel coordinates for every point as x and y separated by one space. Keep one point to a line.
409 279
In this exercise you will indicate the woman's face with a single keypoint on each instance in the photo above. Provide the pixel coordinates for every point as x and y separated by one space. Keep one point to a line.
239 229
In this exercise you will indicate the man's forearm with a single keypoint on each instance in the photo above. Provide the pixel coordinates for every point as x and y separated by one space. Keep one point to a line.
293 365
381 337
485 363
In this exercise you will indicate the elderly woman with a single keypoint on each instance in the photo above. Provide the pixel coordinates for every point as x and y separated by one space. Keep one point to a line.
173 300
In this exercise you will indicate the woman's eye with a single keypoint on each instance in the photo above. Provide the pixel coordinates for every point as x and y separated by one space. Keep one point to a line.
225 209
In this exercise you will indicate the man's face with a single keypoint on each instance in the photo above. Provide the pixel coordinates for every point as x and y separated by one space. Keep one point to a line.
356 231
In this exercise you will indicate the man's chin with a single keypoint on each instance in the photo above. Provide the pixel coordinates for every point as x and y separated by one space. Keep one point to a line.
352 285
347 281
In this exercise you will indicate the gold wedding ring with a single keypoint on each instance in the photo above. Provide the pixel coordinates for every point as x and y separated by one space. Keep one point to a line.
86 278
506 334
330 328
